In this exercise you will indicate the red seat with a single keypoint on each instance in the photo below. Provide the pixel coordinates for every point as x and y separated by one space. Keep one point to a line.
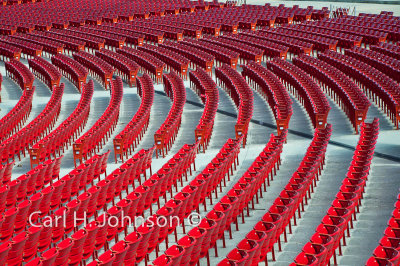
146 232
390 254
175 253
57 194
7 227
240 257
251 248
317 250
326 241
32 243
49 257
188 243
76 252
119 250
198 234
22 217
91 229
45 238
105 259
47 193
133 240
227 262
12 192
378 262
305 259
3 195
101 236
17 248
22 190
163 260
35 262
64 249
4 250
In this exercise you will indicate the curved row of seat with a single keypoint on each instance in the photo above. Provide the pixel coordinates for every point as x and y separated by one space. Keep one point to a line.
20 73
13 120
320 43
131 37
35 130
125 67
341 88
382 17
169 32
242 95
173 60
248 17
207 90
71 69
127 140
190 19
389 49
148 63
91 42
97 67
189 30
111 40
387 252
369 36
388 24
382 62
345 40
149 34
222 55
49 46
273 91
340 215
271 49
200 239
246 51
165 136
97 232
45 71
304 88
196 56
8 51
376 85
87 143
262 238
296 46
27 48
65 134
150 234
69 44
46 15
